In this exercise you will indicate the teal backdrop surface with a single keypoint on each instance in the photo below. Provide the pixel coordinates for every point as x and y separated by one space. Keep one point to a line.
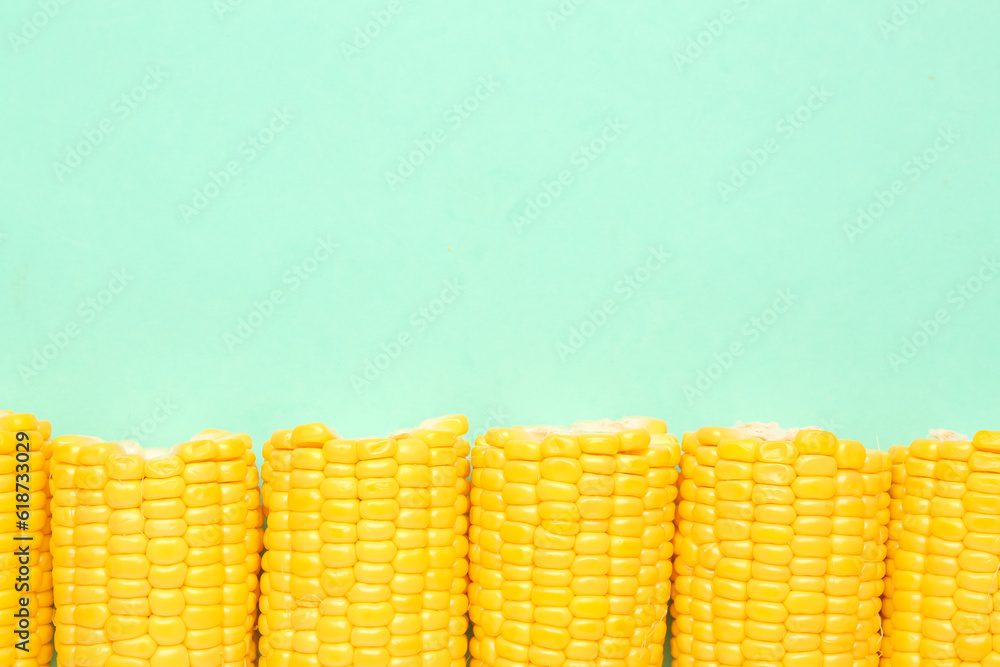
248 215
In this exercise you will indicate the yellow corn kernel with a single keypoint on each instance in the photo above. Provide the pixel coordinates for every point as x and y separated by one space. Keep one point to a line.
780 541
162 567
572 538
367 560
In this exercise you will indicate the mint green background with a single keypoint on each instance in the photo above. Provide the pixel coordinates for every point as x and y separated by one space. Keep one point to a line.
493 352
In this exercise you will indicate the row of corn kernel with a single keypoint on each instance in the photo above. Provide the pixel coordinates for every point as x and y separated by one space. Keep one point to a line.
563 564
486 515
155 558
448 429
361 548
254 546
458 626
698 550
902 608
25 557
275 473
842 582
771 549
291 609
941 606
241 546
877 479
656 560
898 455
683 572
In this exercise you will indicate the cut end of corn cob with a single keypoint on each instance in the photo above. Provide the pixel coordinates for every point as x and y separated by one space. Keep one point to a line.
156 554
540 432
572 543
25 530
457 424
780 540
944 435
771 431
367 558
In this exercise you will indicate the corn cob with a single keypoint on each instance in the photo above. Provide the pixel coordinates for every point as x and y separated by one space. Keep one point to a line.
25 530
571 540
943 600
155 552
774 534
363 540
